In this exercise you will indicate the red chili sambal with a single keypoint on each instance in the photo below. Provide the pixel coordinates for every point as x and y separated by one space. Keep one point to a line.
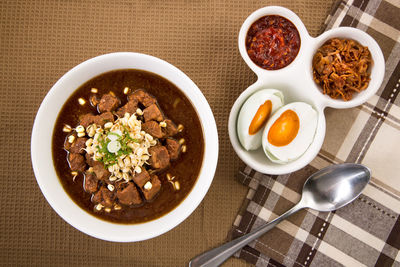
272 42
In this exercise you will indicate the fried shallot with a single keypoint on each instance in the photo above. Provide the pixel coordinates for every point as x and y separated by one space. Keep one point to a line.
342 67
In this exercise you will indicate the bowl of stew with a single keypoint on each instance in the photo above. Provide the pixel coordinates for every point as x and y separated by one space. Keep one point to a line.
341 68
124 147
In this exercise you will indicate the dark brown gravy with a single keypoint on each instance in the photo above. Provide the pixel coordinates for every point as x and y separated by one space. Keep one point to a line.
186 169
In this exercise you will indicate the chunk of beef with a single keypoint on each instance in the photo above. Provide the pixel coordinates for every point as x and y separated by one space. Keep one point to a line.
67 144
159 158
103 118
173 147
104 197
76 162
90 183
100 171
155 188
89 160
128 194
78 145
129 107
171 128
94 100
108 102
141 178
152 113
87 119
143 97
153 128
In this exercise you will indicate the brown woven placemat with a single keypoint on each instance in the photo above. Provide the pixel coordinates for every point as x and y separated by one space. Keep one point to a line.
41 40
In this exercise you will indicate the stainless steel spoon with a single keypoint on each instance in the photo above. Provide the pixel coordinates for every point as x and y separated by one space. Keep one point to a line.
326 190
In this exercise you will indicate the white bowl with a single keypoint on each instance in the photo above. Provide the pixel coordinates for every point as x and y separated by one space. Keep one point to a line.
296 83
42 160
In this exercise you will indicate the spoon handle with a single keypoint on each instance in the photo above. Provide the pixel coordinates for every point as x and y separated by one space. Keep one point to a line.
218 255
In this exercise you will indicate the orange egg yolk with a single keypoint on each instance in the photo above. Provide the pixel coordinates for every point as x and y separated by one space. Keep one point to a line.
284 129
260 118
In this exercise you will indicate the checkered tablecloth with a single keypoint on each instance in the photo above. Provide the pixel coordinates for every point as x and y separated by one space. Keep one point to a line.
366 232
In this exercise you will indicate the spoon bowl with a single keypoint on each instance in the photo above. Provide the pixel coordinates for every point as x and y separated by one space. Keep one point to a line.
335 186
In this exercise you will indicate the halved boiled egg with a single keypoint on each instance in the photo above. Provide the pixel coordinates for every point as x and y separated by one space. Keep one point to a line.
254 115
289 132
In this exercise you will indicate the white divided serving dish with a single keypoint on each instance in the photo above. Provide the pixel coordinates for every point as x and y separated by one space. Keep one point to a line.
297 84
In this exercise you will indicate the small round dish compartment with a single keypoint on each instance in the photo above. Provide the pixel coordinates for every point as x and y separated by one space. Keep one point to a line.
297 84
269 32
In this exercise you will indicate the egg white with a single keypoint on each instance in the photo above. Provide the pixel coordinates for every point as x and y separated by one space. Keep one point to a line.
308 119
247 112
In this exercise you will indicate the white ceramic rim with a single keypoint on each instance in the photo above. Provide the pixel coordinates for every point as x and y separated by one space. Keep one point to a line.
310 93
41 150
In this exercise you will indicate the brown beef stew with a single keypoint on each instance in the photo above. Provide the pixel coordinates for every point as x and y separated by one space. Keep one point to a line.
128 146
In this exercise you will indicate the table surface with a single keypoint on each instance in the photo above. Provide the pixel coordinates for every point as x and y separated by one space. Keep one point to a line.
41 40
